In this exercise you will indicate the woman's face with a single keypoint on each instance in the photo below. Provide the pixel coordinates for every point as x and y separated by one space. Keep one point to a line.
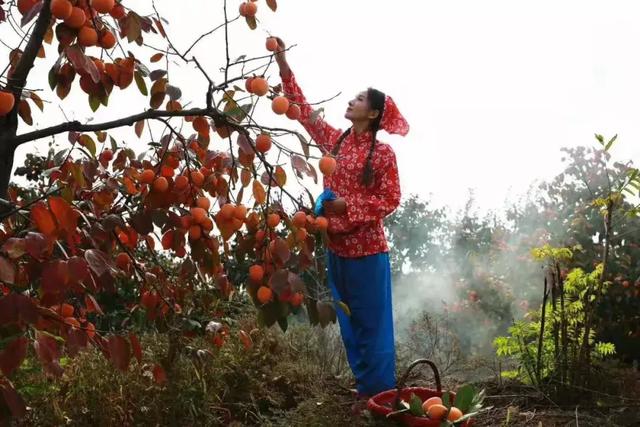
359 110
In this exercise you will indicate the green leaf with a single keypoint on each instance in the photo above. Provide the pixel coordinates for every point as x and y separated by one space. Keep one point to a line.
94 103
53 78
251 22
142 85
610 143
446 399
239 113
87 141
133 26
283 324
464 398
312 312
344 308
415 406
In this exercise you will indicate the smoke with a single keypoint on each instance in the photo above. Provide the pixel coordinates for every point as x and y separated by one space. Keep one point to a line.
483 279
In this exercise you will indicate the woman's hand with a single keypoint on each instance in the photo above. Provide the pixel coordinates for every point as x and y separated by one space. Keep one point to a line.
335 207
280 57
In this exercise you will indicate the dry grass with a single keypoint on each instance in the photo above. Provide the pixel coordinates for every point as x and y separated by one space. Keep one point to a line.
295 379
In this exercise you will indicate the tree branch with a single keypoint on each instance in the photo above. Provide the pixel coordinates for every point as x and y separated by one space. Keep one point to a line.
76 126
19 78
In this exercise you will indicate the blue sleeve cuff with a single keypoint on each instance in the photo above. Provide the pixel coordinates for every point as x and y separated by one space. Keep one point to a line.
327 194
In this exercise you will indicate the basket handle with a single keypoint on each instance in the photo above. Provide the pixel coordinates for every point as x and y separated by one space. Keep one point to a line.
401 383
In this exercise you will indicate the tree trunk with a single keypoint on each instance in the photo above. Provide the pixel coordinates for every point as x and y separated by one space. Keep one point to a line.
554 323
7 132
563 331
15 84
545 295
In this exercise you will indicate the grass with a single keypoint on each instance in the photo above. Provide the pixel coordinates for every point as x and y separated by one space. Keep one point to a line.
299 378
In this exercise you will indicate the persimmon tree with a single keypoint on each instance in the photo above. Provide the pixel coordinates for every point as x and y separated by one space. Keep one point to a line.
94 215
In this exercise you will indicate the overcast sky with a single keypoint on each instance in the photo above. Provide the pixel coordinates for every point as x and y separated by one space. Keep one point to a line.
492 89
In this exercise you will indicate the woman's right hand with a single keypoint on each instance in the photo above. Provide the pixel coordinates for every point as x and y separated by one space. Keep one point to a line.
279 53
280 57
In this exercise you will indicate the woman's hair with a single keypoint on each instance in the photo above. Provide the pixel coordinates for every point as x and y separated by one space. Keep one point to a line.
376 102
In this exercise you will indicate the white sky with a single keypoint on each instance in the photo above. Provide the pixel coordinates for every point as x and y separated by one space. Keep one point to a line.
492 89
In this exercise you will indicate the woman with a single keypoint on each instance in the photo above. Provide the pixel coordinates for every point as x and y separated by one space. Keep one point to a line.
367 188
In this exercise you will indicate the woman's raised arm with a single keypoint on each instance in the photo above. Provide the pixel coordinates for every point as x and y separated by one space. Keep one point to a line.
324 134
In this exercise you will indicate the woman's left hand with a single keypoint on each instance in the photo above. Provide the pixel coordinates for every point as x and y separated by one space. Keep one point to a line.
335 207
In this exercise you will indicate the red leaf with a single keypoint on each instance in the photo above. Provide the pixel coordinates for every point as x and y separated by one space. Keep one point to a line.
98 262
15 247
78 269
279 281
66 216
37 245
282 250
81 63
12 399
280 176
119 352
326 313
17 307
135 346
159 375
26 308
259 192
296 282
37 100
24 110
244 144
7 271
77 339
141 222
157 57
302 167
13 355
55 277
8 310
43 219
160 27
139 127
272 4
31 13
47 350
92 305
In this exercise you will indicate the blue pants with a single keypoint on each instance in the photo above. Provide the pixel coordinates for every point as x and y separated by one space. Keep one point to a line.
364 284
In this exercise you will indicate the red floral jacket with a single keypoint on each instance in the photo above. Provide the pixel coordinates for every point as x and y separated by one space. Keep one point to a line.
359 231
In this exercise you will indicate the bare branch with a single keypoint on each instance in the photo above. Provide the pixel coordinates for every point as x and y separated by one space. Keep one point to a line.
226 41
208 33
76 126
244 61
